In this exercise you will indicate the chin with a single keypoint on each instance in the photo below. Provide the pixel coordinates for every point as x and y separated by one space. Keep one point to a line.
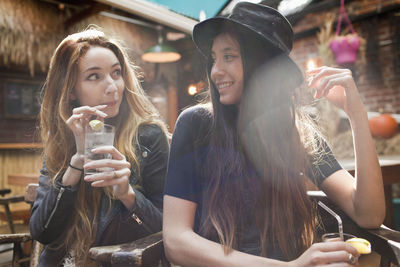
227 101
112 113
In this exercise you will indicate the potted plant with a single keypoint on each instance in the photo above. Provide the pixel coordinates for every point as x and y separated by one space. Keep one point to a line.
345 47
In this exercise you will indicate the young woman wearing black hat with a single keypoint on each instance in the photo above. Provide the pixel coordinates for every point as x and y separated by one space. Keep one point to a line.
235 190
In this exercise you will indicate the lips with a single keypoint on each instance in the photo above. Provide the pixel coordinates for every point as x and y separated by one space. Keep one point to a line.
223 85
111 103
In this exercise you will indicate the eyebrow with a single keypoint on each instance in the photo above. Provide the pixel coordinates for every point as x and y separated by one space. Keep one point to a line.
98 68
226 49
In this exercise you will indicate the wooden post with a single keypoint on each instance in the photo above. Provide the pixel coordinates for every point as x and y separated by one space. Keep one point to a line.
172 107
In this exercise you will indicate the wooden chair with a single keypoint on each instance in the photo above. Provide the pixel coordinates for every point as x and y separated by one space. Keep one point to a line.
22 211
18 238
149 250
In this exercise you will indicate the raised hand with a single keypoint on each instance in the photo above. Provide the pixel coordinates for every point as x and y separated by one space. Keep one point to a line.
337 86
118 178
79 118
328 254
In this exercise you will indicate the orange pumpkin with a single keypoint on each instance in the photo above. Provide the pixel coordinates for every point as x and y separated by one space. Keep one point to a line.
383 126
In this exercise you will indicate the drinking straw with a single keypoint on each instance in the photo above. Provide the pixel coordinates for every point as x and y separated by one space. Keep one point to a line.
339 220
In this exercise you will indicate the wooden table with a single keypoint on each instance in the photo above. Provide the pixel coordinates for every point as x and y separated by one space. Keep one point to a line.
390 173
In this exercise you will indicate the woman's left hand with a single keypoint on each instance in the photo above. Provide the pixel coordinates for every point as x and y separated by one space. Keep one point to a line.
118 178
337 86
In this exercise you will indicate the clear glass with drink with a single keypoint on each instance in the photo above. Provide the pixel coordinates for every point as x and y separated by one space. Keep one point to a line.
102 135
332 237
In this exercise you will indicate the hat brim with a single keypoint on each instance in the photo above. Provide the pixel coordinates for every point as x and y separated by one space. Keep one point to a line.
205 32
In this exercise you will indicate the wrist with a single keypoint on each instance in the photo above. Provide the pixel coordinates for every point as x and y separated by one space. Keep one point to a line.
359 119
129 198
357 111
77 161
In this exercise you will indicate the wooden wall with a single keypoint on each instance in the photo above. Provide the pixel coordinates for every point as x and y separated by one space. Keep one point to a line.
27 161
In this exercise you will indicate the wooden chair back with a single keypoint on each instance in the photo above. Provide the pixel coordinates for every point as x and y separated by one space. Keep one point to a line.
30 196
14 207
25 249
22 179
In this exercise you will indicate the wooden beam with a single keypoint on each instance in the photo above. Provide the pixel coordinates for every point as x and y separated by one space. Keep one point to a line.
154 13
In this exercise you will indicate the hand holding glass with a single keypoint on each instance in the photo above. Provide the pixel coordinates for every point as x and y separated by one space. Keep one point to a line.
94 138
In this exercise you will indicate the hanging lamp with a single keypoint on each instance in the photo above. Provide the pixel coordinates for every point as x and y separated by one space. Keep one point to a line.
161 53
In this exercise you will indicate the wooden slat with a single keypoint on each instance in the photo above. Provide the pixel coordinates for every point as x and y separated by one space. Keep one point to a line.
20 145
15 238
14 161
22 179
133 253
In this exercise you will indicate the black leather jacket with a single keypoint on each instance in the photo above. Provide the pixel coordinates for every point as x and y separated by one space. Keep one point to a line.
54 204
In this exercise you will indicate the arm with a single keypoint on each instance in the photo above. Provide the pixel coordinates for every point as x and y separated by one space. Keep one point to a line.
353 196
154 152
154 155
184 247
52 209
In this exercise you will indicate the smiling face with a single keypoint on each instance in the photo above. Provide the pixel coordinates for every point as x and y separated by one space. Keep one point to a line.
227 69
99 80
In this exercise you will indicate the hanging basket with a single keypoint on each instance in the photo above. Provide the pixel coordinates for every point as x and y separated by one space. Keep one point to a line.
345 47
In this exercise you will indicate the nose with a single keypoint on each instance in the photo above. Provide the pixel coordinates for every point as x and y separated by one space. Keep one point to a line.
217 70
111 86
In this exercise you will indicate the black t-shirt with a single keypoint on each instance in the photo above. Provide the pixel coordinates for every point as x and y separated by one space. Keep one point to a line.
188 152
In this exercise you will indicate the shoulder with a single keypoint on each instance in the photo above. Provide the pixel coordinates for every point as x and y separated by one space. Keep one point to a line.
199 115
149 130
150 134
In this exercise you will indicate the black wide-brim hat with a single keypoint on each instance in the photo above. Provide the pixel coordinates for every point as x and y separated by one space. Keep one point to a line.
254 21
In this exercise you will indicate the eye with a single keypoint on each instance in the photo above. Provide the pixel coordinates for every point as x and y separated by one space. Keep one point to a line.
93 77
228 57
117 72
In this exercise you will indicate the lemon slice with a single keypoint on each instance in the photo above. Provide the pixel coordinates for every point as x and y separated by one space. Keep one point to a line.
362 245
96 125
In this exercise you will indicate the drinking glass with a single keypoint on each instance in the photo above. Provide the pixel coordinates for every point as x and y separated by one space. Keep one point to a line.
332 237
98 138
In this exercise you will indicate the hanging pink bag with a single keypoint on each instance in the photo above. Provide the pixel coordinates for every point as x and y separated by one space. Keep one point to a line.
345 48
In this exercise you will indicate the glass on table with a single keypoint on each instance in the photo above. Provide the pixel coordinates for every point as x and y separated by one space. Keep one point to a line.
101 135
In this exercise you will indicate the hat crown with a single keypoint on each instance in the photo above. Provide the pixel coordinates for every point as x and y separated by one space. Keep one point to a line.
265 21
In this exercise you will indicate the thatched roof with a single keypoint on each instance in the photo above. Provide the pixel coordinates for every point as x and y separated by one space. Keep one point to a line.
31 30
29 33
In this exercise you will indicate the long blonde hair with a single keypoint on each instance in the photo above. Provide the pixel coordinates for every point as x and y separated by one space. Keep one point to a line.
58 139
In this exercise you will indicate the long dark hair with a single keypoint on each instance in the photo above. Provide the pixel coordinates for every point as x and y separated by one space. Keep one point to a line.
272 146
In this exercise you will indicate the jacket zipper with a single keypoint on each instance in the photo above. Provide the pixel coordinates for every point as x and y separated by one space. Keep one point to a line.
140 222
55 207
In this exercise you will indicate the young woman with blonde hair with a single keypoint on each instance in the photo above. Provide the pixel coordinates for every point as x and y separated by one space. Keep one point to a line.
235 192
90 76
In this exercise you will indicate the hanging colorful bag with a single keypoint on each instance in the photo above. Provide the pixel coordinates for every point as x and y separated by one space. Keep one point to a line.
345 48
